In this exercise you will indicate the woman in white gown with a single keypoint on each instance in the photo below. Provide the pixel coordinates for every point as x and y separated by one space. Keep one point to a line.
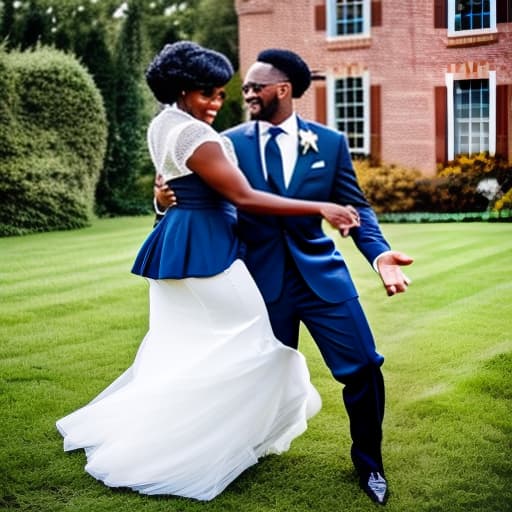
211 389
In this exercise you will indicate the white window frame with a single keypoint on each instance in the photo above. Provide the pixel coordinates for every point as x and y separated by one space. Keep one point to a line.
461 33
331 109
449 79
331 21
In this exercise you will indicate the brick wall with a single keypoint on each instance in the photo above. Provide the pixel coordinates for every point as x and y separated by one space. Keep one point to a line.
406 56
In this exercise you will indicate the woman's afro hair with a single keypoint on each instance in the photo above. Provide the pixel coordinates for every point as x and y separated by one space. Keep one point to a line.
186 66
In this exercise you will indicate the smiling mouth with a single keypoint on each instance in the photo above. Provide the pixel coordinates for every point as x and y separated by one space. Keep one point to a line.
253 103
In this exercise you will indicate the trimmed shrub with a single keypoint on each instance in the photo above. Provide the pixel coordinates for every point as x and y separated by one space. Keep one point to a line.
456 186
504 202
53 137
476 183
388 188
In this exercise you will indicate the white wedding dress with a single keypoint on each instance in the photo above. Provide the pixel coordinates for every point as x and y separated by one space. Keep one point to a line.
211 389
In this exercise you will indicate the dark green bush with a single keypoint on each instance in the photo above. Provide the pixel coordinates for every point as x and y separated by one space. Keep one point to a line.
53 137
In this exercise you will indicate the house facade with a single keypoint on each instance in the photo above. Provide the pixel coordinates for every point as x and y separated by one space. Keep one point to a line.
409 83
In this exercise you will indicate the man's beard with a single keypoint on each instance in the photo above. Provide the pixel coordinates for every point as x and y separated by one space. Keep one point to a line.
267 111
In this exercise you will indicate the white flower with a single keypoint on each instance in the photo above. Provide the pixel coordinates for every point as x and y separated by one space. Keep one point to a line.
489 188
307 140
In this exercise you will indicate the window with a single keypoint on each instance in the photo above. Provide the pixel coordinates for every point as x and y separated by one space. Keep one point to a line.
471 115
471 16
348 18
348 110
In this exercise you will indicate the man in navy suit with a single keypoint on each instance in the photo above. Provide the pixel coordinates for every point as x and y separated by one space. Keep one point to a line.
301 274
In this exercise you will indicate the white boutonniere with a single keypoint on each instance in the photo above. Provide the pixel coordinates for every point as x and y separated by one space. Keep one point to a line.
307 140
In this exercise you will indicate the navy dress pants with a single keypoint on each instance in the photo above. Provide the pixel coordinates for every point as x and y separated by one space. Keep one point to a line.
346 343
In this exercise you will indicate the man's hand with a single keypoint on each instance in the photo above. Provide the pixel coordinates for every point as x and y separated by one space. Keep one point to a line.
394 280
343 218
163 194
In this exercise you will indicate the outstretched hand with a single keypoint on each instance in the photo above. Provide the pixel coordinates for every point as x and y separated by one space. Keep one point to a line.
389 266
340 217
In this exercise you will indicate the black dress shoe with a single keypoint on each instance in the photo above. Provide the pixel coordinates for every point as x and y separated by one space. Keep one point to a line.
376 486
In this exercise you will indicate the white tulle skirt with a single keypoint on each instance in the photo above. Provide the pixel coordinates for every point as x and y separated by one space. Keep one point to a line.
210 391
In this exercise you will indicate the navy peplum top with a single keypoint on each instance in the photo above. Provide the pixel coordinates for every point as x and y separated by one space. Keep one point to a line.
196 238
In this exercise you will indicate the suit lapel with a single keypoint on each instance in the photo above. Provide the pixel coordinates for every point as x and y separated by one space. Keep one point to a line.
304 162
252 161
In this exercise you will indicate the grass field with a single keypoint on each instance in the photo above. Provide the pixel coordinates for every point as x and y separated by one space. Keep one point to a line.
72 316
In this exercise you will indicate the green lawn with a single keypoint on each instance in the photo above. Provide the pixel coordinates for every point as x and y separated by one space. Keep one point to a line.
72 316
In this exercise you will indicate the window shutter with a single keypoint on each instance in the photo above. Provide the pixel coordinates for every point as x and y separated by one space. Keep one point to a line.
321 103
502 120
320 17
440 14
441 132
376 13
375 124
504 11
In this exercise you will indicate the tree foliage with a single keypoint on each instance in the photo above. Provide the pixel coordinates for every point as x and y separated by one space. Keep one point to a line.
115 40
127 149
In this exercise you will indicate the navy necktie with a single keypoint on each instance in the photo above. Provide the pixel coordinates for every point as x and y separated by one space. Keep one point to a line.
274 162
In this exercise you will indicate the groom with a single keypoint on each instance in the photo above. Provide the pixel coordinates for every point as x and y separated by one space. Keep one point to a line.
300 273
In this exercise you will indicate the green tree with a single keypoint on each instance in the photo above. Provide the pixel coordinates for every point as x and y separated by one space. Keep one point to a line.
127 152
116 51
217 27
7 21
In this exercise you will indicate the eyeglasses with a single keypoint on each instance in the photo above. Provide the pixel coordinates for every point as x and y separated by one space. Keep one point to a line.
257 88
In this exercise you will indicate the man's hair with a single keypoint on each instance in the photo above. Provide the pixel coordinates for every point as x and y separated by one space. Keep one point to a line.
291 65
186 66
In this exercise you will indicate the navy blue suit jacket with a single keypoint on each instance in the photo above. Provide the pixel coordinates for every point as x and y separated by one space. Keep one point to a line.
326 175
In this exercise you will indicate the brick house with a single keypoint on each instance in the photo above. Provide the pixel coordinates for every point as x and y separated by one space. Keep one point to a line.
410 83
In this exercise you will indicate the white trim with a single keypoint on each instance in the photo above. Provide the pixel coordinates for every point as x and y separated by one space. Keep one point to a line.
331 119
493 29
492 113
449 116
366 112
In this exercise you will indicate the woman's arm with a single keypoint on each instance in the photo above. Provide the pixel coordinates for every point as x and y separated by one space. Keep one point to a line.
210 162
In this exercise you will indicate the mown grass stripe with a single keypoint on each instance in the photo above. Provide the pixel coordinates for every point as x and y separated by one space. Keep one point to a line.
72 317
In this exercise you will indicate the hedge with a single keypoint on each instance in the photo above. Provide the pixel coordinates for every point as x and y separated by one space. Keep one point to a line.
53 132
470 187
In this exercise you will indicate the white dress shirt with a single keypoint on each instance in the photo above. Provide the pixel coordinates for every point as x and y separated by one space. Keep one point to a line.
288 143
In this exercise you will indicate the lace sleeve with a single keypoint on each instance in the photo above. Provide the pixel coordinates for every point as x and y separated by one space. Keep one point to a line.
172 140
190 137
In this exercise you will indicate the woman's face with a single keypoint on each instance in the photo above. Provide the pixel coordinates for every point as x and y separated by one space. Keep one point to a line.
203 104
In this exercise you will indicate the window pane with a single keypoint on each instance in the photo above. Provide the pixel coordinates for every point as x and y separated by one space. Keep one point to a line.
471 116
472 14
349 17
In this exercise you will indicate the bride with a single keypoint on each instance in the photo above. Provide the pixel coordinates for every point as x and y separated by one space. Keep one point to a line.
211 390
